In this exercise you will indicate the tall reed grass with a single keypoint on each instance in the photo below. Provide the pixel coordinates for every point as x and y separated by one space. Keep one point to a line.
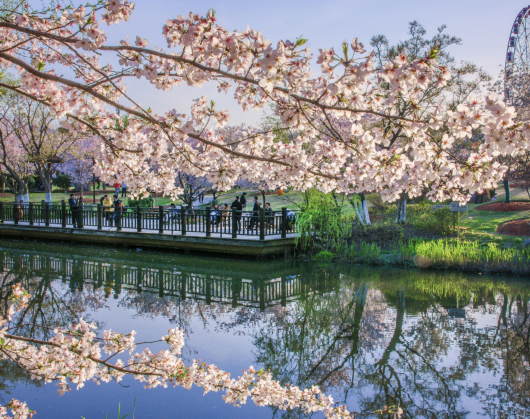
446 254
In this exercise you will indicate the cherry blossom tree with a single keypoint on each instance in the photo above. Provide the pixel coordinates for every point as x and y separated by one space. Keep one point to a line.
466 80
15 167
41 45
79 161
43 142
192 187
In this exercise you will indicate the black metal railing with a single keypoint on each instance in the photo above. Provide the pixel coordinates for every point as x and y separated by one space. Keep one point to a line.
163 220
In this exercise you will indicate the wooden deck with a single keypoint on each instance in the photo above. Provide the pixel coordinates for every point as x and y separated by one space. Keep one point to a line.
217 242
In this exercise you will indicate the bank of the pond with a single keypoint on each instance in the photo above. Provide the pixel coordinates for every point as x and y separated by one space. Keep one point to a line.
440 254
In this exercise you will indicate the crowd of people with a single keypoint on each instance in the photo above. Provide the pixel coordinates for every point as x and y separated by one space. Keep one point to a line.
220 214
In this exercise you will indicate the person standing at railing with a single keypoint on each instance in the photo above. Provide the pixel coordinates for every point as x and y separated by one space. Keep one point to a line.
215 215
269 214
291 220
107 205
238 207
243 201
123 190
118 207
173 213
255 214
21 210
74 209
80 210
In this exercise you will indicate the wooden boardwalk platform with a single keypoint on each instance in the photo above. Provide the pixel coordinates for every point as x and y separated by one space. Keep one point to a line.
273 245
232 232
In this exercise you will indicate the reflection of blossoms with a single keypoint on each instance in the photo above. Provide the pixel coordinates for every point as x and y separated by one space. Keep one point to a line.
73 355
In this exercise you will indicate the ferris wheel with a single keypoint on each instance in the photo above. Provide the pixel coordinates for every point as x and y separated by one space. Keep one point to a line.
517 67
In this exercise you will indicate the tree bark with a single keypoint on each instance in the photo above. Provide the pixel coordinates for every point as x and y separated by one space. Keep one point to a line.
507 190
401 216
361 210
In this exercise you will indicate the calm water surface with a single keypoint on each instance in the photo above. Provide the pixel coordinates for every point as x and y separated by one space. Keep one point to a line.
442 345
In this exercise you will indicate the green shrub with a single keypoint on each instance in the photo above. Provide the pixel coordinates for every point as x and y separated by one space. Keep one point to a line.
63 182
143 202
324 255
323 222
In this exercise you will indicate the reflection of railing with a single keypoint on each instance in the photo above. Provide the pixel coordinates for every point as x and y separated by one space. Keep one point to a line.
114 278
162 220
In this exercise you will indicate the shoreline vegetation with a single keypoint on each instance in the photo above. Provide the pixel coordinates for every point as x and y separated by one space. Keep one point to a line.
429 238
442 254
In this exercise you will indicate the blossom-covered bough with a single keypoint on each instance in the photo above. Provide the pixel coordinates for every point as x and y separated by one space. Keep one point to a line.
76 355
147 149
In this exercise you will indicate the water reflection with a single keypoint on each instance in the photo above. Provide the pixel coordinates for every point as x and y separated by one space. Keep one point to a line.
441 345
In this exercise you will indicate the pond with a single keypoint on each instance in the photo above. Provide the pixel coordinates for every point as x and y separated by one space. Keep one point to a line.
439 344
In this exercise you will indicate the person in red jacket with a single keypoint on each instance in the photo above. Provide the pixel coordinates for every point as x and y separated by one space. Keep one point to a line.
116 188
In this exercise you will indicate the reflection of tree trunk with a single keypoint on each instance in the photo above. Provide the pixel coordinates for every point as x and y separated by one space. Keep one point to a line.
398 330
360 301
502 316
393 395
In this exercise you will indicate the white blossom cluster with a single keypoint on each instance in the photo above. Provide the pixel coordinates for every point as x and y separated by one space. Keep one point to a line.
147 150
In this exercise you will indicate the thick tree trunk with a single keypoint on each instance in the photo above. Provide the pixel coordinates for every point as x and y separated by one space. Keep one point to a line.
361 210
507 190
401 216
22 192
48 186
47 189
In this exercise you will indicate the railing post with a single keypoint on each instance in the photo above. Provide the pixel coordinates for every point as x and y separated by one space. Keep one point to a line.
262 224
30 213
2 213
160 219
63 214
118 217
81 216
16 213
208 221
183 212
46 207
100 217
138 219
284 223
234 223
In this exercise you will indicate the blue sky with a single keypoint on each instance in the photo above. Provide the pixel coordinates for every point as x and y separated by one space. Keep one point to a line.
484 27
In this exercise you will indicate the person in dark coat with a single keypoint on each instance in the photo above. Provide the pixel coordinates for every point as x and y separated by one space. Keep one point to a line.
74 209
255 214
238 207
269 214
243 200
118 207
